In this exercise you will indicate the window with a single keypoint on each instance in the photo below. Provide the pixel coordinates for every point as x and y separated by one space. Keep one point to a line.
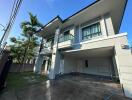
65 36
90 32
67 32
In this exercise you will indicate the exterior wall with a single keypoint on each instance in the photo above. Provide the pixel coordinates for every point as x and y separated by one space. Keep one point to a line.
109 25
123 58
69 65
105 23
101 67
104 42
96 66
106 29
115 67
110 41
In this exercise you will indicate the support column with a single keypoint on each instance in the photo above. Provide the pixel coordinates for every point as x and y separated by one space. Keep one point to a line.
103 27
38 64
55 56
109 25
46 67
61 69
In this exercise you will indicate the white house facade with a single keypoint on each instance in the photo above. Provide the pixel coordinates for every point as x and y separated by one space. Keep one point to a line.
88 42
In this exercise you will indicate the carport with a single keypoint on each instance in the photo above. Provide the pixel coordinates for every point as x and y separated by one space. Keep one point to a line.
98 61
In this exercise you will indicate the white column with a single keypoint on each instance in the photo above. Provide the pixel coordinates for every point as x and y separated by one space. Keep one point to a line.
103 27
54 55
61 69
109 25
46 67
38 64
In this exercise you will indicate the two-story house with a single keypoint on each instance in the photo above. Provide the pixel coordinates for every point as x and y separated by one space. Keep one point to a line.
88 42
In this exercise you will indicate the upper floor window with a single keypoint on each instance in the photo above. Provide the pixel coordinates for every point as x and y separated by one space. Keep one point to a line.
91 31
67 32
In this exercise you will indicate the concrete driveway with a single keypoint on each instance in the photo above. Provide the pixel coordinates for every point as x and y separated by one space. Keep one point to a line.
68 87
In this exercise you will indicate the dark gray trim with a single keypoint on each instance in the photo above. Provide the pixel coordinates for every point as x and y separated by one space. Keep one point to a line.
123 15
81 10
50 22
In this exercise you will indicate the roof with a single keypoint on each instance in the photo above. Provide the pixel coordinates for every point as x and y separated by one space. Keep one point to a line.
69 16
65 20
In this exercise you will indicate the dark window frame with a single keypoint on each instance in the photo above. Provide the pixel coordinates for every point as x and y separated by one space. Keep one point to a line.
91 35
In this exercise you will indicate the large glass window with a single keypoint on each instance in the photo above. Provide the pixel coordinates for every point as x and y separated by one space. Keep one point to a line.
90 32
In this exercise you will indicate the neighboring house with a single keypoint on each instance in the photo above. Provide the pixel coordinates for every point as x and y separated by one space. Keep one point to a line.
88 42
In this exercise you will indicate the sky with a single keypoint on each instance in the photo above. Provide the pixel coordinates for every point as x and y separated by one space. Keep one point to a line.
46 10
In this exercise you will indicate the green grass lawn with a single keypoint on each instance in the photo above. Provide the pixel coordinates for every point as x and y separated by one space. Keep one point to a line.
24 79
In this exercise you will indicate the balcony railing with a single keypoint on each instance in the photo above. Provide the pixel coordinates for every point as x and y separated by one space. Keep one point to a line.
65 41
46 51
66 38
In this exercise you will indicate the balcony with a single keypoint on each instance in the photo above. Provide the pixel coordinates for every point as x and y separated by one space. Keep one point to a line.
65 41
46 51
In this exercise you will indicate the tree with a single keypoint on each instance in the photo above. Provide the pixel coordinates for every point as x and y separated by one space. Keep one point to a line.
23 49
30 29
19 45
16 49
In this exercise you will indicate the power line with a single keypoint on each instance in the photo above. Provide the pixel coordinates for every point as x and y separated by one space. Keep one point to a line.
14 12
3 27
12 9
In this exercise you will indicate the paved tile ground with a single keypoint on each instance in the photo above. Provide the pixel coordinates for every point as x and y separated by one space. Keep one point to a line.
68 88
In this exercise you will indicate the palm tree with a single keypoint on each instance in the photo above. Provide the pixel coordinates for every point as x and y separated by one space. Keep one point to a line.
30 29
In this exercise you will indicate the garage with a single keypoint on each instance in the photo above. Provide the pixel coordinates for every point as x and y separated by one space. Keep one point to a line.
94 61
